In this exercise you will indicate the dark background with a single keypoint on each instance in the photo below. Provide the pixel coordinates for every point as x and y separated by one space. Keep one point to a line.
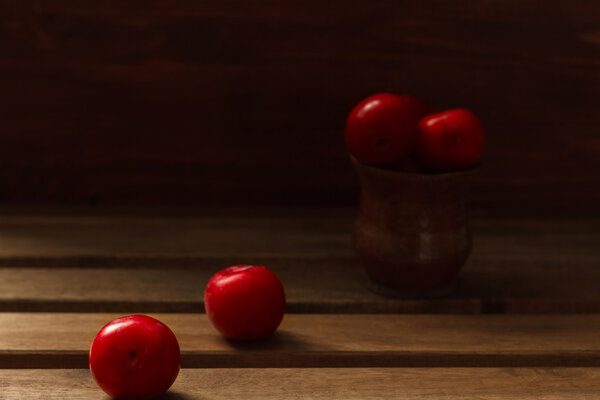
229 102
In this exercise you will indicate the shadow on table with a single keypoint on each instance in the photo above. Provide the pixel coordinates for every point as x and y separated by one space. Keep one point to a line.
277 341
173 395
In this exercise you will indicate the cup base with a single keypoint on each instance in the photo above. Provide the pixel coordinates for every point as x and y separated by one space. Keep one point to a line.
402 294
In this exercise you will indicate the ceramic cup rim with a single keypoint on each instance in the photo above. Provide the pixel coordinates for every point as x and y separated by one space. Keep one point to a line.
418 175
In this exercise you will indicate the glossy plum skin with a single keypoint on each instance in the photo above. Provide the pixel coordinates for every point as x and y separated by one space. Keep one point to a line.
135 357
451 140
245 302
382 128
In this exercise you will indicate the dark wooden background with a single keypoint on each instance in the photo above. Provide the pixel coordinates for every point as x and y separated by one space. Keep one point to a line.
194 102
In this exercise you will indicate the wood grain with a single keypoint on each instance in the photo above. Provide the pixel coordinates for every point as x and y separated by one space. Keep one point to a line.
36 236
84 261
190 233
46 340
312 286
347 383
194 102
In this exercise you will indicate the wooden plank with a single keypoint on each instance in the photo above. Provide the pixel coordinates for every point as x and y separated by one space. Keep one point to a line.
138 263
346 383
312 286
198 102
30 235
46 340
35 236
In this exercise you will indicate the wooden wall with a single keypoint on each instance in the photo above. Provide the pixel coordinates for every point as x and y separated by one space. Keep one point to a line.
194 101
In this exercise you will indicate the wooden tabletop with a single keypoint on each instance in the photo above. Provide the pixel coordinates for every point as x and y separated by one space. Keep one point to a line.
523 323
329 383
